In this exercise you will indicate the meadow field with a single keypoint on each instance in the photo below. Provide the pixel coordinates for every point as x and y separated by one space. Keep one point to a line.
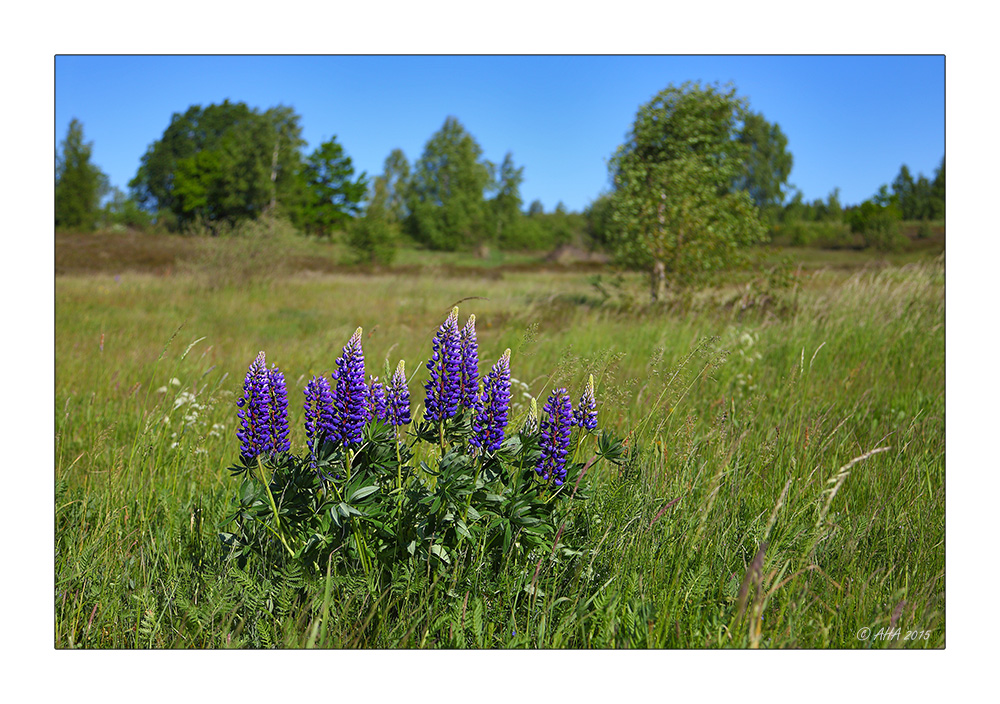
785 485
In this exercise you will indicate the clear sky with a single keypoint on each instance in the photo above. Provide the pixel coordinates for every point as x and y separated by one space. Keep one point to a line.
851 121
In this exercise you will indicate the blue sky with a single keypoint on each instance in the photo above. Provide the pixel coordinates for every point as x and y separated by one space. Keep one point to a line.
851 121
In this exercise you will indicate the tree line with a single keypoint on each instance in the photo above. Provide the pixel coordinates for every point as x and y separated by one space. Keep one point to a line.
699 178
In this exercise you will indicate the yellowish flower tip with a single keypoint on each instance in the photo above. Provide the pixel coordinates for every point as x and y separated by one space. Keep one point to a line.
534 408
590 384
401 367
506 355
472 317
357 333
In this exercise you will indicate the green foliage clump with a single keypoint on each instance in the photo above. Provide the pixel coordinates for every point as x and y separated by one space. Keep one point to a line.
877 221
222 163
920 199
446 203
122 212
226 163
823 234
333 195
674 210
374 237
79 183
768 163
432 497
242 253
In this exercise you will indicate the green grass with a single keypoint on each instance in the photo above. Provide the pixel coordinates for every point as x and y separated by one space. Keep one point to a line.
748 424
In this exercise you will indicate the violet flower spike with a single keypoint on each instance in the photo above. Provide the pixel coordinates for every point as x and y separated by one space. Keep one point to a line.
398 397
319 411
469 345
277 397
493 407
554 437
376 399
585 415
351 395
444 386
254 432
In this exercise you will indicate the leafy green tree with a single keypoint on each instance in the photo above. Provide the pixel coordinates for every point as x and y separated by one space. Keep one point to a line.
80 185
536 208
833 211
904 189
447 204
374 236
877 220
223 162
937 193
598 219
561 224
795 208
396 174
920 199
674 209
767 165
506 204
922 209
122 211
334 194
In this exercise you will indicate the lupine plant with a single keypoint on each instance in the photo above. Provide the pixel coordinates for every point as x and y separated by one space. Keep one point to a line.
377 487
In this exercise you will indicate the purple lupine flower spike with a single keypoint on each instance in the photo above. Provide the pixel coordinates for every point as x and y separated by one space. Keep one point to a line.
277 397
376 399
444 386
351 395
470 365
585 416
254 433
491 414
398 397
554 440
319 411
263 411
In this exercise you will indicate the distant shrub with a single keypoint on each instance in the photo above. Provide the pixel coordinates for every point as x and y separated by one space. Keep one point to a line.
249 251
822 235
877 221
373 240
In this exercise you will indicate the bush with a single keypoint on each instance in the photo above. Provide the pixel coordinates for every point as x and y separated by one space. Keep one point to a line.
248 251
822 235
372 497
121 213
877 221
373 240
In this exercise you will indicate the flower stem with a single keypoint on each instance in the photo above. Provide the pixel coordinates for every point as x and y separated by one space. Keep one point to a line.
274 509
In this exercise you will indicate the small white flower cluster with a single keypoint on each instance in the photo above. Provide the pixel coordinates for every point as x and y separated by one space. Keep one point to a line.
519 400
743 343
192 415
